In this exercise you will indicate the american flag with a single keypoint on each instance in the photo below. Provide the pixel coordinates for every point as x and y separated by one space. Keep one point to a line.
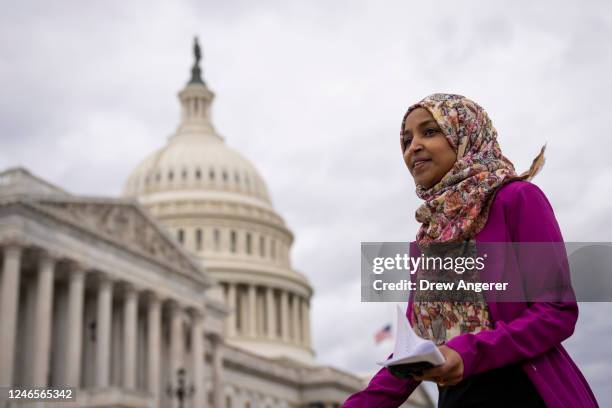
382 334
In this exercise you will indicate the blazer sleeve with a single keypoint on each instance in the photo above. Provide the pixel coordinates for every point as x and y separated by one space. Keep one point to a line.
542 325
383 391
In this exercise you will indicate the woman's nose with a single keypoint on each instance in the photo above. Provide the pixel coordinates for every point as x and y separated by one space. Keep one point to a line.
415 147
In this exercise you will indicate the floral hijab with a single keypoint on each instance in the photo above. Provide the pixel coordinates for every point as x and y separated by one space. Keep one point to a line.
457 207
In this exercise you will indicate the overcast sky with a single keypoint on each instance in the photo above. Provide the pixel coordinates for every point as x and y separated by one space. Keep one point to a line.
313 93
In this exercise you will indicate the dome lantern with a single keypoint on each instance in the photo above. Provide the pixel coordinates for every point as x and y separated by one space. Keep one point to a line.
196 100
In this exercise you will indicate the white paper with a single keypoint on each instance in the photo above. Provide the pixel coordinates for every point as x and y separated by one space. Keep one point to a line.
410 348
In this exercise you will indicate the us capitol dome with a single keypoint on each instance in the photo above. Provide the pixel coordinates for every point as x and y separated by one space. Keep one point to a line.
217 205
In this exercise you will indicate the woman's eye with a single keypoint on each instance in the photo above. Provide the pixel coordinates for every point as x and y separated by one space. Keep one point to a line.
431 131
407 141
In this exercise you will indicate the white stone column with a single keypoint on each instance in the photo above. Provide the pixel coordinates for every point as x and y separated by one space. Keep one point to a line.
8 311
42 321
217 372
176 345
305 323
295 317
154 347
252 319
130 316
198 358
103 332
231 303
270 313
74 334
284 304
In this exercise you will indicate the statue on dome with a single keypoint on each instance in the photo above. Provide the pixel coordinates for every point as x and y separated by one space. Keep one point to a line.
196 72
196 51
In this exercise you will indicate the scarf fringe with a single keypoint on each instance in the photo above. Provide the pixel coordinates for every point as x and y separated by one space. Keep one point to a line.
536 166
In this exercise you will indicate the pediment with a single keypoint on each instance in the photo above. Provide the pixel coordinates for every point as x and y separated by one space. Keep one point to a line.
125 223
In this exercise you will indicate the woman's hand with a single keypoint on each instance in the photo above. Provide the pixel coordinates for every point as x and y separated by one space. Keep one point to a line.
449 373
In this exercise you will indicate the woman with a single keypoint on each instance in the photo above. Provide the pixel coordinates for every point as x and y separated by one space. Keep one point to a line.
509 354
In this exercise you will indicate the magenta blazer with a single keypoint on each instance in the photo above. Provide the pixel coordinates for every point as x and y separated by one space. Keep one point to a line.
527 334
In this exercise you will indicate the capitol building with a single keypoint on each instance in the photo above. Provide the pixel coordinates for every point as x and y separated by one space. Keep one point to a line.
179 294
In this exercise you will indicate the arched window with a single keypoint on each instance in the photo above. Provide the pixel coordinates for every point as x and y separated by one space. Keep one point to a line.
217 239
262 246
170 175
248 243
233 241
181 235
211 174
198 239
273 249
198 174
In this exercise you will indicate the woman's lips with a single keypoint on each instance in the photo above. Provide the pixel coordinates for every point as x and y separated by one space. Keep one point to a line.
419 164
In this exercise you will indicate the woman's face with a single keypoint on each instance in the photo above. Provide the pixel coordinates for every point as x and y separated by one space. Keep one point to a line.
427 153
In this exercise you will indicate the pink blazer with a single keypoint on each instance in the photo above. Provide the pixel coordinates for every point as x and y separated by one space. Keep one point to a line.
530 334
